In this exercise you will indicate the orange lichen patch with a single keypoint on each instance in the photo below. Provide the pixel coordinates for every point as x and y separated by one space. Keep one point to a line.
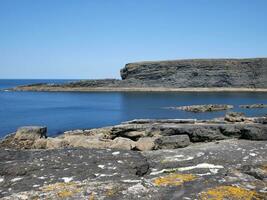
174 179
63 190
229 193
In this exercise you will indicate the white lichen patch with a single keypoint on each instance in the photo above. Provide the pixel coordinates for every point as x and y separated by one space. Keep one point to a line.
1 179
131 181
16 179
115 153
211 167
178 158
35 186
67 179
200 166
252 154
42 177
108 175
199 154
101 166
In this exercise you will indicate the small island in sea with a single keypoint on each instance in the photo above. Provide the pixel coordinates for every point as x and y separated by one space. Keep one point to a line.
219 158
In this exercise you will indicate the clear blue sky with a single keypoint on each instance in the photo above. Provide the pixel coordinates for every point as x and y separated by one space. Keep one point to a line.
95 38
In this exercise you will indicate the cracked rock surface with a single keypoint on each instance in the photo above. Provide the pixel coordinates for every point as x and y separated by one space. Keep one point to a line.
235 169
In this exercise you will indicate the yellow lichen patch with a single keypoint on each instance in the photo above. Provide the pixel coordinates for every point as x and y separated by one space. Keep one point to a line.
174 179
229 192
63 190
92 196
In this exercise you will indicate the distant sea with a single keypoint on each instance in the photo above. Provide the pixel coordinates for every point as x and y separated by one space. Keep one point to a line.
61 111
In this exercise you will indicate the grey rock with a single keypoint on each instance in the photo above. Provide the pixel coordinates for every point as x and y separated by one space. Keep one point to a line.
197 133
255 132
172 142
199 73
120 174
260 105
203 108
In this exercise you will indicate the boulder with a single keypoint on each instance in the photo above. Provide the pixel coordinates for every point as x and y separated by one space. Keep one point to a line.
31 133
172 142
145 143
197 133
123 143
231 130
254 132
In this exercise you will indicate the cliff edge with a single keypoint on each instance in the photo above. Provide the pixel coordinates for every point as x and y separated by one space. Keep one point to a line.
248 73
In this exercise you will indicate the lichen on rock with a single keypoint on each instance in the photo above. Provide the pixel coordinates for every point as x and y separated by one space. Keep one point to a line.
231 193
174 179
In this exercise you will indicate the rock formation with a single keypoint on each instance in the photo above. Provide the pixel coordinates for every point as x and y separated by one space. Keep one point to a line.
205 74
223 158
203 108
247 73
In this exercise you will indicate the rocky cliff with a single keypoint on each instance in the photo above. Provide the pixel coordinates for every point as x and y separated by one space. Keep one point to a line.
248 73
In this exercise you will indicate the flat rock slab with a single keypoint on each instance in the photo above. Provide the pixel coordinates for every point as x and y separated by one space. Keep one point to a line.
26 170
234 168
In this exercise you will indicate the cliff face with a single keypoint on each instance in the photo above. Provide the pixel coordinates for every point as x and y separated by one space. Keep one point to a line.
249 73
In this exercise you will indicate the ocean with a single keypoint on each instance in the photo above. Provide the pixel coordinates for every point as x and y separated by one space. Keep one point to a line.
61 111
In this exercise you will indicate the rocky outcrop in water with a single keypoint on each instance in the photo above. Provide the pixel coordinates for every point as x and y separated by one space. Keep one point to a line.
261 105
203 108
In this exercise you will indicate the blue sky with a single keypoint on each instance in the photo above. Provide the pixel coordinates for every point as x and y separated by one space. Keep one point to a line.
96 38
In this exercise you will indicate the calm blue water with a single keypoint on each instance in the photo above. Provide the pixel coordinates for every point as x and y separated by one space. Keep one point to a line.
62 111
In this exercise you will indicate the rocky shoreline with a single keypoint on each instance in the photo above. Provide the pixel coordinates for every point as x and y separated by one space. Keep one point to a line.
223 158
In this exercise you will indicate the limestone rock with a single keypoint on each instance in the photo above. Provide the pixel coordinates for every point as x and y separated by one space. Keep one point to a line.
31 133
172 142
145 143
255 132
56 143
40 143
245 73
123 143
87 142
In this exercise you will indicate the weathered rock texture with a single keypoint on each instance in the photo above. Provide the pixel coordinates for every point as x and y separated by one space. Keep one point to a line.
145 135
231 169
248 73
